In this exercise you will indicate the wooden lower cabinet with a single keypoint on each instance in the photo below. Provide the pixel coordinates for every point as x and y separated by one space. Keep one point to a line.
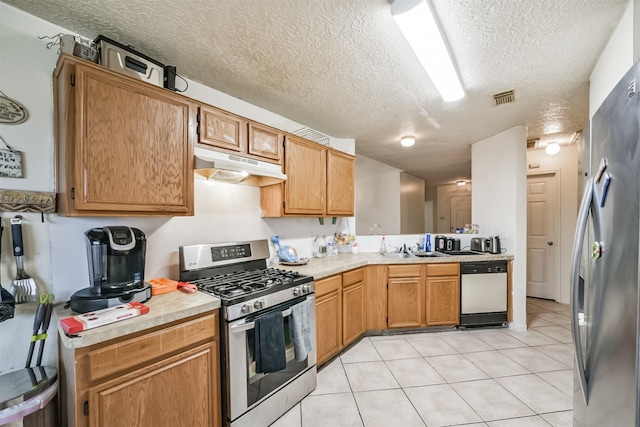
166 376
354 314
328 317
172 392
443 294
404 296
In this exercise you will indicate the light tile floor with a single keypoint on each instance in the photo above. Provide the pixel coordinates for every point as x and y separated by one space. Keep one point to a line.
474 377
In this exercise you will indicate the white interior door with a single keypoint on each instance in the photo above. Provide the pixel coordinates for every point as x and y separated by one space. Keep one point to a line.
541 236
460 208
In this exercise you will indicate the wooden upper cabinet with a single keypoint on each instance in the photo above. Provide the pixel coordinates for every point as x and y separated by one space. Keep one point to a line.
305 186
125 147
320 181
265 142
220 129
340 181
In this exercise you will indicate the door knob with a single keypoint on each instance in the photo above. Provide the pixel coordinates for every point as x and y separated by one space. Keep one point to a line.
550 243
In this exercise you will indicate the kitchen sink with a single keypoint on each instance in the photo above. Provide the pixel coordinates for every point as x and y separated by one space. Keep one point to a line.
398 255
429 254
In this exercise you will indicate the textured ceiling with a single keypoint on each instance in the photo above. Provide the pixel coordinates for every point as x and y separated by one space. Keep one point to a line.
343 68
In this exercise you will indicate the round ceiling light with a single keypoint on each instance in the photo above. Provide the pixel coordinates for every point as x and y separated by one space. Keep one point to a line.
461 183
552 149
407 141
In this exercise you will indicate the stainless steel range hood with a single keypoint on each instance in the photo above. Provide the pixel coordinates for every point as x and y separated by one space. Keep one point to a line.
232 168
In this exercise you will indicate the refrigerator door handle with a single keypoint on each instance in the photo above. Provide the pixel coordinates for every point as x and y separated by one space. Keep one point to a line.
581 226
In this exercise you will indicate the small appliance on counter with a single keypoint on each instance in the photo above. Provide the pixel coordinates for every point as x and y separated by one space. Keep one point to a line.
116 257
486 244
446 244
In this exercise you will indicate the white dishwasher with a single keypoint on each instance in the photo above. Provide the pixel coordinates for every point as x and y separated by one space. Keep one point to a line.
483 293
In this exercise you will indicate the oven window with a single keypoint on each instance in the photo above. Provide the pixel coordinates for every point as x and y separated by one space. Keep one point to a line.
260 385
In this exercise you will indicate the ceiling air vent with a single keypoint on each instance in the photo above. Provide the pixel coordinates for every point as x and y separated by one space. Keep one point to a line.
503 98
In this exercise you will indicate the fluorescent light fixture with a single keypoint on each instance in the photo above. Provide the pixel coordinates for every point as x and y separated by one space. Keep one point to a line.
407 141
552 149
461 183
417 23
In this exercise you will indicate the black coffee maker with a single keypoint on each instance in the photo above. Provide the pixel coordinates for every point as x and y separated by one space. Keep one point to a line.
116 257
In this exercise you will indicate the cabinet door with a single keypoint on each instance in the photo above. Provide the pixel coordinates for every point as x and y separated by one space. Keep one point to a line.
133 147
354 315
340 179
443 300
221 129
182 390
404 299
265 142
328 325
305 187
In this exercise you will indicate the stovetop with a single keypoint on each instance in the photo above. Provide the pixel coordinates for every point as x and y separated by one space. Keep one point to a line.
237 273
233 288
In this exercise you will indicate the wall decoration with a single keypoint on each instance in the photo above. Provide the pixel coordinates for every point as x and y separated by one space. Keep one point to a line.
10 162
11 111
27 201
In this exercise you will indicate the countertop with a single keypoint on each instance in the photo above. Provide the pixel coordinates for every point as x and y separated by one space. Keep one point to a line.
162 309
179 305
330 265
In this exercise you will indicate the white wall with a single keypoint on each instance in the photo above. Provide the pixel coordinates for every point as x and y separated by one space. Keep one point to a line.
411 204
614 62
377 196
565 165
55 249
498 173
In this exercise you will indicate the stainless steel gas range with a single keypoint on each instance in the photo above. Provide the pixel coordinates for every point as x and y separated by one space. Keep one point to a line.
255 343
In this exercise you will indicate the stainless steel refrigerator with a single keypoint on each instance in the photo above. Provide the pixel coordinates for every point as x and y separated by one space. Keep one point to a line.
605 265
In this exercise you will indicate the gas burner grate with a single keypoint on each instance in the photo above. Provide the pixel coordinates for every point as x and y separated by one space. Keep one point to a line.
241 283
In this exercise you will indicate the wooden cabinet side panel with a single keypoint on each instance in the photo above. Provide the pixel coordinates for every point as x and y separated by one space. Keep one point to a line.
510 291
65 127
181 390
405 302
354 314
134 150
328 325
265 142
340 183
443 300
376 294
305 187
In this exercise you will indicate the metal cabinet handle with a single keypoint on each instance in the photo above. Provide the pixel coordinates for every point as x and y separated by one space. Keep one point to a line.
550 243
581 226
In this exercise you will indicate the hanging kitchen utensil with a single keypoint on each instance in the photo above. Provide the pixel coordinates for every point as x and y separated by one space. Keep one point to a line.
42 336
10 161
7 301
25 287
37 324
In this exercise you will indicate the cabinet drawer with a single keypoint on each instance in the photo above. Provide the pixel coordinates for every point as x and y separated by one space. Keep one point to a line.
404 270
352 277
328 285
145 348
452 269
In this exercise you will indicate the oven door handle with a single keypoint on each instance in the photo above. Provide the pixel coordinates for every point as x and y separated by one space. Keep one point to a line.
250 325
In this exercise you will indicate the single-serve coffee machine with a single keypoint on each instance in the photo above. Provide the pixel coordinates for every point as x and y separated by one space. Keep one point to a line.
116 257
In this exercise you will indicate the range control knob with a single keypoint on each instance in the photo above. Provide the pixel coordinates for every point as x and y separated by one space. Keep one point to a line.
246 308
297 291
306 289
258 305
